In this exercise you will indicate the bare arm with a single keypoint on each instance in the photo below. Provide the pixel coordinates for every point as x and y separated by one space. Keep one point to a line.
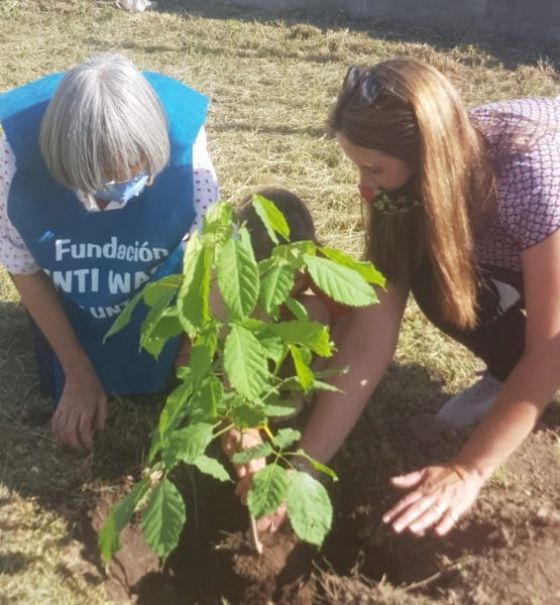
82 406
442 493
366 340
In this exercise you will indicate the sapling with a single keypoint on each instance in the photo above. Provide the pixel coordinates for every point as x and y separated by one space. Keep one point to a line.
235 379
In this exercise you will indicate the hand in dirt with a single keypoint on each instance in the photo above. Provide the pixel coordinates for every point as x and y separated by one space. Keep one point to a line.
441 495
236 441
82 409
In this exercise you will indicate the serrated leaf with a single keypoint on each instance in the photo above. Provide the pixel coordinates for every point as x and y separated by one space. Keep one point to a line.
281 408
285 437
123 317
246 415
273 220
211 466
217 226
193 297
364 268
313 335
187 444
160 293
200 362
274 349
158 327
245 362
120 515
277 281
262 450
309 508
269 487
340 283
297 309
206 401
163 518
303 371
175 409
238 278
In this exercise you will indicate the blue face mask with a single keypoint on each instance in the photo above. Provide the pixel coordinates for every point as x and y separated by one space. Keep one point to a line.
124 191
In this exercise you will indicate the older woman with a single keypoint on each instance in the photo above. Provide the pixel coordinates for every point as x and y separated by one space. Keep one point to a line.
104 173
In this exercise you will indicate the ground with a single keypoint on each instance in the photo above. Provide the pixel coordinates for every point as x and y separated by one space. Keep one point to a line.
270 82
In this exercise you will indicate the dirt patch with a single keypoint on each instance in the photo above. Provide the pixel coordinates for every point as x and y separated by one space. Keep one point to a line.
505 550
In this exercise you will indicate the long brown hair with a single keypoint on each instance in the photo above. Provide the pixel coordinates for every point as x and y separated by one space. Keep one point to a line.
419 118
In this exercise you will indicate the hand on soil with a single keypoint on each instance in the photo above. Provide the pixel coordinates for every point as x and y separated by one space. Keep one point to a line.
441 494
82 409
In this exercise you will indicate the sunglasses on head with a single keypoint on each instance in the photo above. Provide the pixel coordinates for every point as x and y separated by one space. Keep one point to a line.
366 84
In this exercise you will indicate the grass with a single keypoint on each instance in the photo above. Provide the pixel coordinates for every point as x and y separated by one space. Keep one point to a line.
270 82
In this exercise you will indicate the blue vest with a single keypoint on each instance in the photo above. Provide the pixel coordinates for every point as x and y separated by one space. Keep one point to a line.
99 260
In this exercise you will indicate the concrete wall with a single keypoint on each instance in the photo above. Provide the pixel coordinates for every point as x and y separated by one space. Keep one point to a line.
536 20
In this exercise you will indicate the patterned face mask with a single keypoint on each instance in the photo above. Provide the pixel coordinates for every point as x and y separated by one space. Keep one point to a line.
390 202
122 192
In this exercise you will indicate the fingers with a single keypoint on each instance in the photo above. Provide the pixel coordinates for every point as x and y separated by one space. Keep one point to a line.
271 523
401 505
85 430
446 523
413 513
409 480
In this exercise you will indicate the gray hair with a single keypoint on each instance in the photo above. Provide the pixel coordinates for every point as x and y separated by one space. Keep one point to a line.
103 120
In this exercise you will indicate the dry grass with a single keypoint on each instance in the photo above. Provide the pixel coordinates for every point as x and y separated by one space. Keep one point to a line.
271 83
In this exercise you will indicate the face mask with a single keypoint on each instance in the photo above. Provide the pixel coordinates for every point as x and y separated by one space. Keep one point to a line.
123 192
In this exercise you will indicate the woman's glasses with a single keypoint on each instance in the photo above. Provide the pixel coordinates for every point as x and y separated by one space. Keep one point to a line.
367 86
365 83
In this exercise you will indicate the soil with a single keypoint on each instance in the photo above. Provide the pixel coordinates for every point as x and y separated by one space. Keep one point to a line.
504 551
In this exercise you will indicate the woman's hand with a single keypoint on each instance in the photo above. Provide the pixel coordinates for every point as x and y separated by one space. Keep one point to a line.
441 495
82 409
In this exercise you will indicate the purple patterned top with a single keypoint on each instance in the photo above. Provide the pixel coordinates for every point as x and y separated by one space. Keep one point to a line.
528 178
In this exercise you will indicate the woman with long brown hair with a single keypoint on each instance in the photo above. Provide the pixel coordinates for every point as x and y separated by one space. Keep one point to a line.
464 212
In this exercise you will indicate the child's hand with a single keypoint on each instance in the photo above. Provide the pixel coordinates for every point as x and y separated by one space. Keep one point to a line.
236 441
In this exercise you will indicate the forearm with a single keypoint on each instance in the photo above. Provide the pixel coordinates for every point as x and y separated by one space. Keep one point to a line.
366 344
41 301
521 401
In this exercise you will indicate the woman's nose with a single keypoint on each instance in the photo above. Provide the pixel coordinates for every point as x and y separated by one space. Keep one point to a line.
366 192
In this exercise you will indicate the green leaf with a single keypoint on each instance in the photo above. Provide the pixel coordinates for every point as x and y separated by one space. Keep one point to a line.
217 226
120 515
123 317
158 327
297 309
343 285
163 518
262 450
246 416
187 444
238 278
281 408
269 487
273 220
285 437
245 362
160 293
173 412
309 508
277 282
210 466
200 362
319 385
312 335
274 349
364 268
303 371
316 465
193 297
206 400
